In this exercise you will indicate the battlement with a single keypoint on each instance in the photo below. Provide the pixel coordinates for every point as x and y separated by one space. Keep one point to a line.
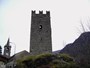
40 12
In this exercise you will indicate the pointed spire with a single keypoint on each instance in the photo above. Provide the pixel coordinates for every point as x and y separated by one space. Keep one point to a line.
8 42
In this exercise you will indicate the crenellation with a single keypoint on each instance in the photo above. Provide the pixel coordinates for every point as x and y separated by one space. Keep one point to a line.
40 12
48 13
33 12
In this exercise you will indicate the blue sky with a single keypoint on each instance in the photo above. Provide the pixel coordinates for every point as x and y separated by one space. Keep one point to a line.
66 15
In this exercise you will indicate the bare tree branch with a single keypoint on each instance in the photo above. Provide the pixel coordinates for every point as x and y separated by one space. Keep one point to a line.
82 26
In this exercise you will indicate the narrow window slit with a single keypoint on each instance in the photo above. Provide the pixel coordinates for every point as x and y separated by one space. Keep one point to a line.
40 26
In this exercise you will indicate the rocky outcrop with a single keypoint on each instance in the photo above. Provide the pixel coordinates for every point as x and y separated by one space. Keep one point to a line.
79 49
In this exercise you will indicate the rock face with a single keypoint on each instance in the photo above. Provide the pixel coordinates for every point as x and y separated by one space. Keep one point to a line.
80 49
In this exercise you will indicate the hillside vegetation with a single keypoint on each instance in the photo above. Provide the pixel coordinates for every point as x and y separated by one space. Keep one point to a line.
47 61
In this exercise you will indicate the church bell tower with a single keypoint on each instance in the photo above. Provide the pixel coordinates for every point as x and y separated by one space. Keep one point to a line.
40 36
7 49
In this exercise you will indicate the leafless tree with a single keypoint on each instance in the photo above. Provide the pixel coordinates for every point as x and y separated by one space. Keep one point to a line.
64 43
84 26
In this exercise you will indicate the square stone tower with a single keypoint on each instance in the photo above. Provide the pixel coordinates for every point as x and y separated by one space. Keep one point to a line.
40 36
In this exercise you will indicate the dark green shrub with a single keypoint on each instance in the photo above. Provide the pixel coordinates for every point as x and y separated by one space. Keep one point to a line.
20 64
65 57
62 64
63 61
43 59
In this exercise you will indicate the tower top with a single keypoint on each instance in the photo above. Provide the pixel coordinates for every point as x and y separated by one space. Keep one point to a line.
40 12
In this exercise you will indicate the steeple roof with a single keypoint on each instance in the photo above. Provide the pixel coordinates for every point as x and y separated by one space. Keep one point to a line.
8 42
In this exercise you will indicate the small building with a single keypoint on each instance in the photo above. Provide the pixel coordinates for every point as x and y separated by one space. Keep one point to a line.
13 60
3 61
